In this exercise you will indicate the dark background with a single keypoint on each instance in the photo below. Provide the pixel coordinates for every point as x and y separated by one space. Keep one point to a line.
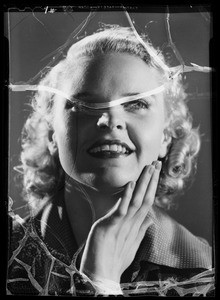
32 35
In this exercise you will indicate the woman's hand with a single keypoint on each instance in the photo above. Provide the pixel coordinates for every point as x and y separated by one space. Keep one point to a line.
115 238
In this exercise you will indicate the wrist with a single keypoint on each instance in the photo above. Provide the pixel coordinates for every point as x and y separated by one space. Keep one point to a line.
96 275
103 285
107 287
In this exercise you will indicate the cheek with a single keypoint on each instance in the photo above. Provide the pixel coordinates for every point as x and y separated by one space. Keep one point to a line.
66 136
71 132
147 137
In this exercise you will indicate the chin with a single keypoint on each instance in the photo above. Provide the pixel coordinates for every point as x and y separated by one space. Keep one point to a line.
109 189
111 183
107 181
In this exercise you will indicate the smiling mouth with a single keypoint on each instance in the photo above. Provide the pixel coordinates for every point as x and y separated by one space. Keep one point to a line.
109 149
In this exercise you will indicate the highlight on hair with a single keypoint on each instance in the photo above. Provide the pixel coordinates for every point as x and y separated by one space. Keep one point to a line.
42 172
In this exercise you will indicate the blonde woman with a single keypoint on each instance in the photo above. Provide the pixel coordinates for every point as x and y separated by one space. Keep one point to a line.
101 166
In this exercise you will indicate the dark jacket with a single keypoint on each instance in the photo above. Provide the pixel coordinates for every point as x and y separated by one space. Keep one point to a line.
43 258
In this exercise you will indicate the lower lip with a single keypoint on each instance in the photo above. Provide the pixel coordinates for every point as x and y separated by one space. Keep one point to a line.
106 155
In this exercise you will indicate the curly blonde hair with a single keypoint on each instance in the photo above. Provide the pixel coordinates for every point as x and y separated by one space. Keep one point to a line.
42 171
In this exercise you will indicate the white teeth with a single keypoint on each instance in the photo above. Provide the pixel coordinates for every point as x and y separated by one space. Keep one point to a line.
119 148
112 148
104 148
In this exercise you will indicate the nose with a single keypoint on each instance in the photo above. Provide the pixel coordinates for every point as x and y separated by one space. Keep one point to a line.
112 119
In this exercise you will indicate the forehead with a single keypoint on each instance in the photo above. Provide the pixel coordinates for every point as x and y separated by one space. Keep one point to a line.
118 72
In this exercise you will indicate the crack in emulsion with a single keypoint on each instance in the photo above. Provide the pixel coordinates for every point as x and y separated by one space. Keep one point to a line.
204 283
199 285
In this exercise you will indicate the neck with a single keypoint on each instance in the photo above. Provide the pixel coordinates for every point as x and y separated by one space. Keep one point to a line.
86 205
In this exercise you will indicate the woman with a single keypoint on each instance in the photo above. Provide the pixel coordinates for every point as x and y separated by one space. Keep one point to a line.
100 166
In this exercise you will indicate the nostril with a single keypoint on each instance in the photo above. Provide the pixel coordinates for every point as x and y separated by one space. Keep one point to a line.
119 126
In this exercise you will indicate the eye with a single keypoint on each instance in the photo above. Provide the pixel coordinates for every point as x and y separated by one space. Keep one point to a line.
73 105
140 104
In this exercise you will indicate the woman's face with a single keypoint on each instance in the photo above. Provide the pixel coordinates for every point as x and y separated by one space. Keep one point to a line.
110 148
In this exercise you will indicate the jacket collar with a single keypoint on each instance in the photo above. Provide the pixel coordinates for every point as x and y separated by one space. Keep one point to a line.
168 243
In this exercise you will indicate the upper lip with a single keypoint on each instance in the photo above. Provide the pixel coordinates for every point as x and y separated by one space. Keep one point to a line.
101 142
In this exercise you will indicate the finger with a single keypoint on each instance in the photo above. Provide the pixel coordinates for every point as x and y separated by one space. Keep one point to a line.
140 190
149 196
152 188
122 207
143 228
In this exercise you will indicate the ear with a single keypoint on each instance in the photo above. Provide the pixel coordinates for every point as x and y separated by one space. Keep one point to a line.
52 144
51 136
165 143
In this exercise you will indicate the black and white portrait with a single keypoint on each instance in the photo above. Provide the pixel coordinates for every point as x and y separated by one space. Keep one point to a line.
110 184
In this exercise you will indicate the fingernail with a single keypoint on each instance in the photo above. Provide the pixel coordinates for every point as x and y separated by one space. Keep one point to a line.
151 169
132 184
158 165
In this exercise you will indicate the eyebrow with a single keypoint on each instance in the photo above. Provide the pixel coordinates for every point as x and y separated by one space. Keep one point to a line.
130 94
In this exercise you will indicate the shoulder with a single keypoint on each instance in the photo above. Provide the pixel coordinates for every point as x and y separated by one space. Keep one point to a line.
170 244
